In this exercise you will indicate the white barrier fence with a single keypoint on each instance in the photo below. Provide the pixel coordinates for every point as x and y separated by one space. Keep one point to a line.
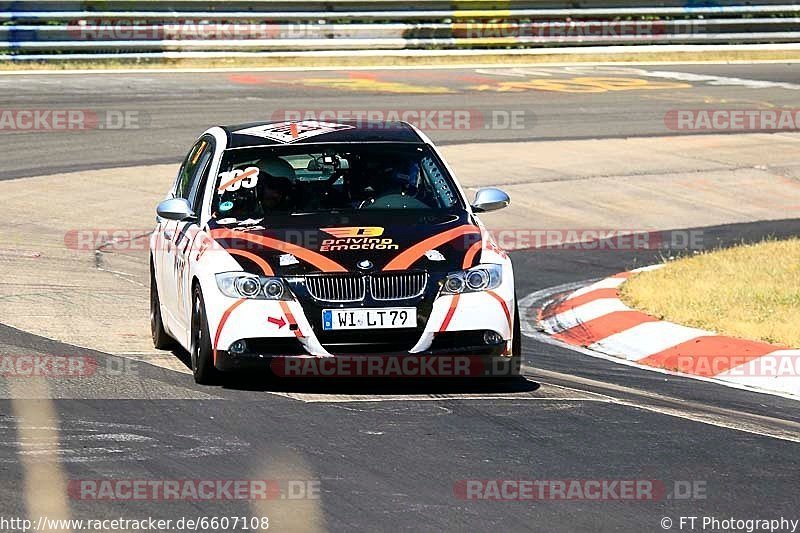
53 30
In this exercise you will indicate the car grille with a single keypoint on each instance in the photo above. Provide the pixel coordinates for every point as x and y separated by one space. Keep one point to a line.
352 287
336 287
397 285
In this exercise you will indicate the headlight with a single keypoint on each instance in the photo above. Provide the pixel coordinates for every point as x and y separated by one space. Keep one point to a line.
242 285
248 287
476 279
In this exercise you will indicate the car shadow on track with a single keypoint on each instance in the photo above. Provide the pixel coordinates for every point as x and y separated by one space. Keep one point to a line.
380 386
183 356
368 386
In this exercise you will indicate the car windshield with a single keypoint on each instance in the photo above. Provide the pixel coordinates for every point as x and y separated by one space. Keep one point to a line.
263 181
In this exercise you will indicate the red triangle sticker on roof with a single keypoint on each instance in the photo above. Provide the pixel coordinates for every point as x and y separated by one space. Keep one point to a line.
289 132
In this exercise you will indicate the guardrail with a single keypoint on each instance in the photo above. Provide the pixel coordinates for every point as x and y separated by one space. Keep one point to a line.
63 30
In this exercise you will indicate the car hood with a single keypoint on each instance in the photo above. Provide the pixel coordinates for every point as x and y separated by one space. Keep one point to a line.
352 243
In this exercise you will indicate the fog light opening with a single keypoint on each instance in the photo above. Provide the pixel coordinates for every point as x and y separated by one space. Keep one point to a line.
238 348
492 338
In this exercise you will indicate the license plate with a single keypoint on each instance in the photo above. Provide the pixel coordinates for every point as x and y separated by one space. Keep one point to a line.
385 317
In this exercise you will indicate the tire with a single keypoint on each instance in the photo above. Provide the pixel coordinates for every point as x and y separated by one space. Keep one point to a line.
202 353
161 339
516 343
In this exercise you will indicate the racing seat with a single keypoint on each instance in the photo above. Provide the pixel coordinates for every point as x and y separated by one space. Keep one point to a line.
276 183
276 168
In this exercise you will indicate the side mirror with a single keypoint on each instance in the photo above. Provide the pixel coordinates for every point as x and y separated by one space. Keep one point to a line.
490 199
175 209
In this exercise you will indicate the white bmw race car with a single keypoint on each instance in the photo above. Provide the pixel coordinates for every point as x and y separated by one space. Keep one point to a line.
323 241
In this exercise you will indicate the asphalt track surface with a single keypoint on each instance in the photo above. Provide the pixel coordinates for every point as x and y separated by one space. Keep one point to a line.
393 464
171 110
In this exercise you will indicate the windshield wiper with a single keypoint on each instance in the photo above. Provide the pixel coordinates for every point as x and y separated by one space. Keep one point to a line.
320 212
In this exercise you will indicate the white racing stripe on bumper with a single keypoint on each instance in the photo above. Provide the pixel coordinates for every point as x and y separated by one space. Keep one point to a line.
477 310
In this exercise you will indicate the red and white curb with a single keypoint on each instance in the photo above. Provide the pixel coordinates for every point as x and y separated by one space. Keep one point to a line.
593 317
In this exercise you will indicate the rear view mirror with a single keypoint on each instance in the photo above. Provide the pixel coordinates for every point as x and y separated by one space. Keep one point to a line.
175 209
490 199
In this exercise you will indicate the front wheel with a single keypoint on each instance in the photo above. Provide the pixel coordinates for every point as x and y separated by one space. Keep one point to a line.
202 353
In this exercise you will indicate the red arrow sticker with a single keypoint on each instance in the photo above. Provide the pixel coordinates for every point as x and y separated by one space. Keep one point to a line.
280 322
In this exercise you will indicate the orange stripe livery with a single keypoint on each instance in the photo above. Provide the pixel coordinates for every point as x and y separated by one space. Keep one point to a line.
290 319
254 258
450 312
407 258
221 325
318 260
470 255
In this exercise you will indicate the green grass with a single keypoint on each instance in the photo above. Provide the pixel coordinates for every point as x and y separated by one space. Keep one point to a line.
750 291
